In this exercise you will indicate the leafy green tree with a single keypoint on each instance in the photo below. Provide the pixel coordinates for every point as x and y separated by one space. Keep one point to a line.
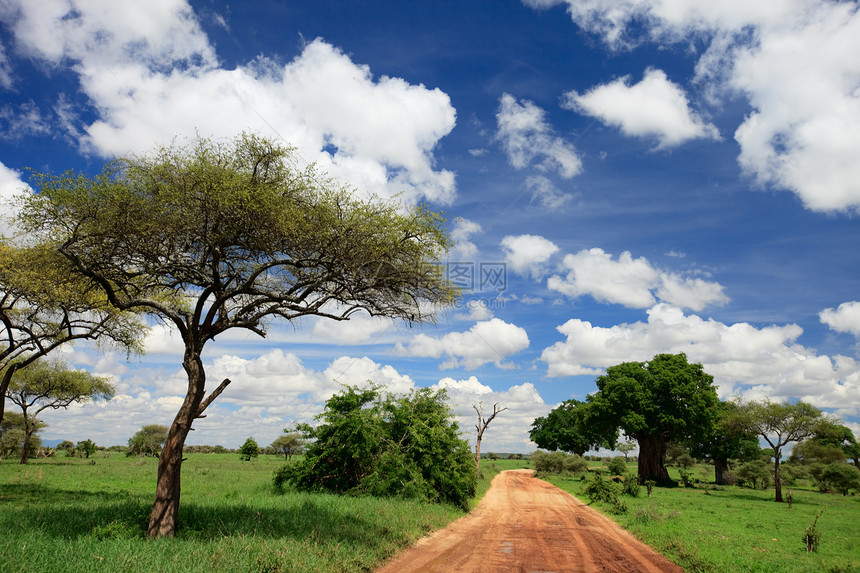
290 444
369 443
572 427
44 305
221 235
755 473
656 402
66 445
249 449
617 466
48 384
779 424
625 448
13 432
148 441
726 440
831 442
842 477
86 448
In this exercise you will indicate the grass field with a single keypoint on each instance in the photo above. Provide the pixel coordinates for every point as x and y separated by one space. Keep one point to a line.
730 529
68 514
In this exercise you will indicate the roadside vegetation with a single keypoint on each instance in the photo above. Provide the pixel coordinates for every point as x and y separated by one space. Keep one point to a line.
709 528
77 514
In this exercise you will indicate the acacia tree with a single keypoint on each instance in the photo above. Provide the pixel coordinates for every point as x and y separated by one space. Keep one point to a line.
148 441
654 402
779 423
290 444
44 385
481 427
625 448
220 235
44 304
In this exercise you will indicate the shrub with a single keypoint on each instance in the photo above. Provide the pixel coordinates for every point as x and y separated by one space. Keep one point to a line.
617 467
841 477
249 449
384 445
754 473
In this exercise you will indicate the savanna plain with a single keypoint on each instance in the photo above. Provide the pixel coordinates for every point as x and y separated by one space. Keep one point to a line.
72 514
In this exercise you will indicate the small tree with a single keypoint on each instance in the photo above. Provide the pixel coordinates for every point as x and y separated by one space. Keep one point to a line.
617 466
216 236
290 444
481 427
44 305
148 441
86 448
779 424
625 448
44 385
249 449
13 432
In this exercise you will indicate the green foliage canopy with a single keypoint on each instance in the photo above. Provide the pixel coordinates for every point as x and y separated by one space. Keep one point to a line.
220 235
147 441
572 427
50 384
250 449
779 423
384 445
654 402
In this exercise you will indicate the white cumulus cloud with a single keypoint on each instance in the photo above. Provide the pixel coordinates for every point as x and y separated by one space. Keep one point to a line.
632 282
150 74
794 61
655 107
845 318
527 137
487 341
744 359
528 254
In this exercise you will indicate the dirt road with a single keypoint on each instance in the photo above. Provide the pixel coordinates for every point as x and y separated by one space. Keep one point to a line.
526 525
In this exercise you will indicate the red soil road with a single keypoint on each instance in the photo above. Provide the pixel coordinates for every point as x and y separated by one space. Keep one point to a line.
526 525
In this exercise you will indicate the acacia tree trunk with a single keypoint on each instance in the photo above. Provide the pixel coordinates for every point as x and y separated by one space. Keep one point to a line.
721 465
162 520
652 456
777 482
29 430
478 458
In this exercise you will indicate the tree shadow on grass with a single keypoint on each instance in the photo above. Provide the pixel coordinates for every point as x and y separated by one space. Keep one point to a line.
72 514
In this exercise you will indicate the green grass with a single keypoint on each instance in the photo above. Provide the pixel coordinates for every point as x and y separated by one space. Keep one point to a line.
730 529
68 514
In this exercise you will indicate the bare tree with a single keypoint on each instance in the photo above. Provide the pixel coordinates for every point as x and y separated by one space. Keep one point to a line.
481 426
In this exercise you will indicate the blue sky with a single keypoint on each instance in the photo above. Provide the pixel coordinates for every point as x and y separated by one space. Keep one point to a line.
632 176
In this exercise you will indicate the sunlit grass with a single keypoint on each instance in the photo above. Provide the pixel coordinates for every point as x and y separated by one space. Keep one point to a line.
731 529
71 515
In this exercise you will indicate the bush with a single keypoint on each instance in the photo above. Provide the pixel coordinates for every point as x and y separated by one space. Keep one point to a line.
754 473
147 441
841 477
558 463
249 450
617 466
384 445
